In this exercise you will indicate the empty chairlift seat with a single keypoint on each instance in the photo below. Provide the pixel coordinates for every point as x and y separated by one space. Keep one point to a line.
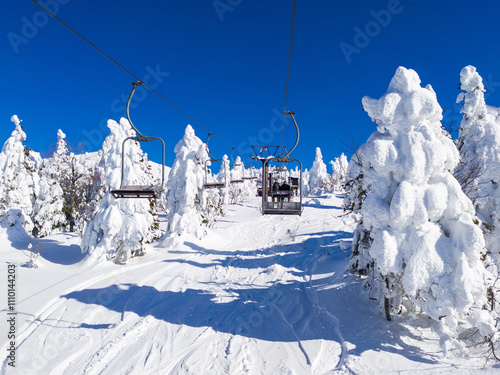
138 191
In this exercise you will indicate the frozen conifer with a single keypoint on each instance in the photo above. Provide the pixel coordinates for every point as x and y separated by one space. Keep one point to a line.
417 237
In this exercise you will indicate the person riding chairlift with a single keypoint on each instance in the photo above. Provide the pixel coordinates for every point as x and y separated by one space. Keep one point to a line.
275 188
287 188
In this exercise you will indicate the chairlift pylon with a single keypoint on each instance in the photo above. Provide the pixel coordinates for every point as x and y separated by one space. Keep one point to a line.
138 191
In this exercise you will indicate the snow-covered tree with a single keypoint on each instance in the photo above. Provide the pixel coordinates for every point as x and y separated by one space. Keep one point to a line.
418 228
319 180
86 189
49 209
19 177
239 189
48 215
224 176
353 185
61 147
210 206
121 227
79 178
190 207
306 190
354 188
339 173
238 170
250 188
479 146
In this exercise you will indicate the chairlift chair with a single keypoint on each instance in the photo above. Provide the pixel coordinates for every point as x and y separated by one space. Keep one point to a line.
138 191
281 203
236 165
211 184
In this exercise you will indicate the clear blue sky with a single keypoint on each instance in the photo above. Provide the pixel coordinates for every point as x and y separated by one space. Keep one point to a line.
224 62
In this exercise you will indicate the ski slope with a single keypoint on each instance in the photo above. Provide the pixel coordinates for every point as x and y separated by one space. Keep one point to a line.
258 295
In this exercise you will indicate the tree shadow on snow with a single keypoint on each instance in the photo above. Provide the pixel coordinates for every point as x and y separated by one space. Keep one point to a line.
315 203
339 235
296 255
52 250
283 311
60 323
16 234
58 253
279 313
362 325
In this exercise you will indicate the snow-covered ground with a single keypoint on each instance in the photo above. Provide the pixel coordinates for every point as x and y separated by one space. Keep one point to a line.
258 295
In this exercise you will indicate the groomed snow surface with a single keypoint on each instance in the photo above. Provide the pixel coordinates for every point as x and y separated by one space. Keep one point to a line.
258 295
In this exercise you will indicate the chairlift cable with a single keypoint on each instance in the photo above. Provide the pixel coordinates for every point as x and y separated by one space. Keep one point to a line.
124 69
288 70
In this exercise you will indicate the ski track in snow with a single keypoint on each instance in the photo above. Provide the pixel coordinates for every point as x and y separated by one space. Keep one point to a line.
253 297
313 298
306 356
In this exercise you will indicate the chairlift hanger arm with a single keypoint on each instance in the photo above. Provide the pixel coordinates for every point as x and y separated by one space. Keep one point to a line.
135 84
208 150
285 158
232 151
241 163
140 137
